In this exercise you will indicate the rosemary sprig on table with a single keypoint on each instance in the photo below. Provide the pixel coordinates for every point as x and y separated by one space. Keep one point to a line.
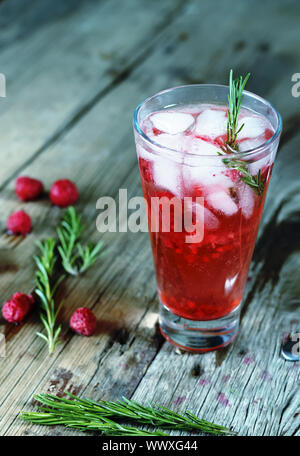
45 289
70 410
235 98
75 258
86 422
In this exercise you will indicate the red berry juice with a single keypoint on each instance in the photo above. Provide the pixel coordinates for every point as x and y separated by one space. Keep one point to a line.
204 280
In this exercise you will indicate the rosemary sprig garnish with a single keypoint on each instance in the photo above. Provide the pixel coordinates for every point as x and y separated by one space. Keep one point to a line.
75 258
45 289
235 98
68 410
254 182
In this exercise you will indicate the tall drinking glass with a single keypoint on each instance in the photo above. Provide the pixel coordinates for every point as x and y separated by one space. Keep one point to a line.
202 265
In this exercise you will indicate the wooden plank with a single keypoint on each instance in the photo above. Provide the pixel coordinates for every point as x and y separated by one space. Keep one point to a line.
18 352
249 386
170 378
19 19
99 124
57 72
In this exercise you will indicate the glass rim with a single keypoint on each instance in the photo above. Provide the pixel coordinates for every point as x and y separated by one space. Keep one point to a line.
242 154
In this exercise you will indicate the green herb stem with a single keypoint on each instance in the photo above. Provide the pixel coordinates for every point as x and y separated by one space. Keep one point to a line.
76 408
75 258
85 422
235 98
45 289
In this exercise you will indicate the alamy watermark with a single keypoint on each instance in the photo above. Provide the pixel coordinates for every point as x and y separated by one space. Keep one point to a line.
296 87
2 85
296 346
164 215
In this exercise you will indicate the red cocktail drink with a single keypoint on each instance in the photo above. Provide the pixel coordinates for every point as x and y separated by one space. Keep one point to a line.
179 145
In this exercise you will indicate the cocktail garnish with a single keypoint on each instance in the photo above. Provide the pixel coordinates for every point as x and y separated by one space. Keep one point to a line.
235 98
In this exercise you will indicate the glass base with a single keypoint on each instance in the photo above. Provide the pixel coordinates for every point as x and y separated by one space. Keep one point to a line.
199 336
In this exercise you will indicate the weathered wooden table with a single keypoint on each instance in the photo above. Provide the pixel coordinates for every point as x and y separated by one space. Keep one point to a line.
75 71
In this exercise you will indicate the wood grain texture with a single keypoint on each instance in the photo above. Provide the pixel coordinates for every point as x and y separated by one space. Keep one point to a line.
247 385
59 70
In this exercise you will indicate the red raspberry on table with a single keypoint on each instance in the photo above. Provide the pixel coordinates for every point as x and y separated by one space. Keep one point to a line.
83 321
16 309
19 223
63 193
28 188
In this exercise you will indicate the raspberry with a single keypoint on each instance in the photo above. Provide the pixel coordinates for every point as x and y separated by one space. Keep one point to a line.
16 309
146 170
220 140
83 321
268 134
63 193
19 223
27 188
156 131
